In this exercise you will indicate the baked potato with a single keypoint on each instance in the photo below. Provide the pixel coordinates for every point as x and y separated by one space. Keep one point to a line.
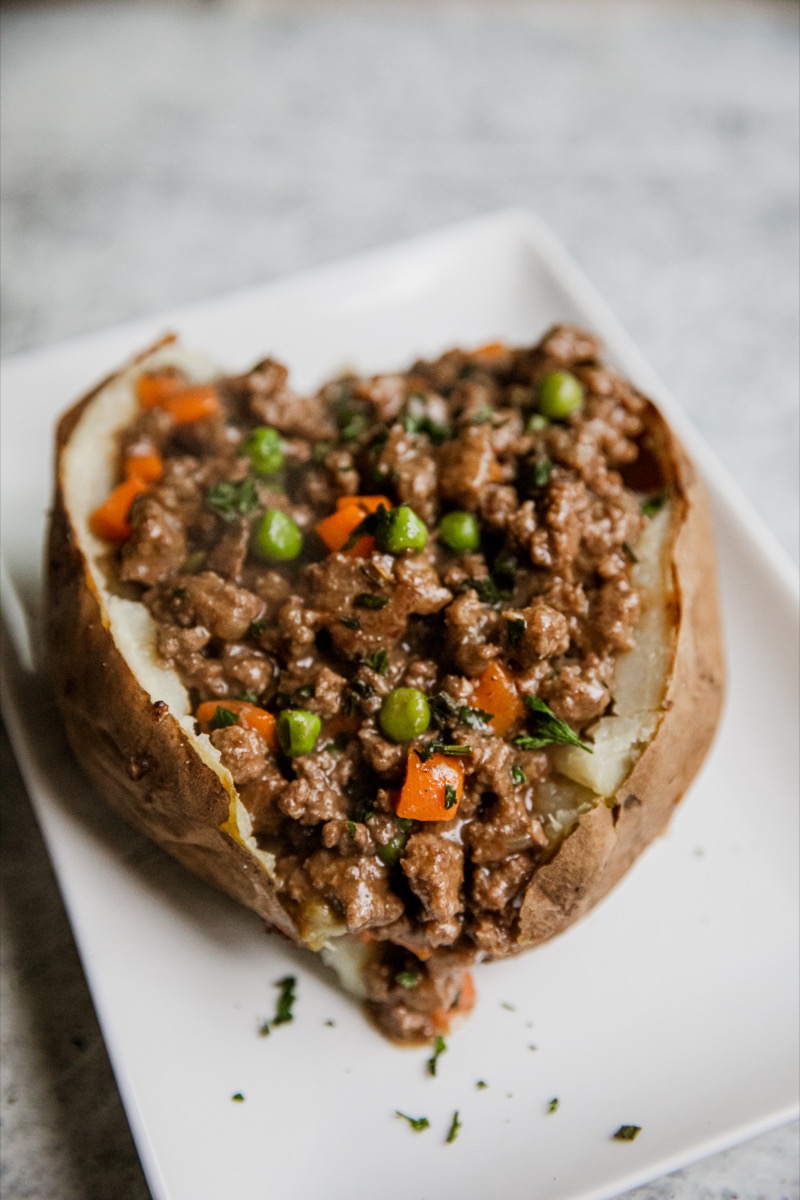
411 730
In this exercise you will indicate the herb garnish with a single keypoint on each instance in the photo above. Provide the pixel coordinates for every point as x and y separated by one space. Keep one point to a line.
351 829
355 691
373 524
283 1007
369 600
230 500
350 622
222 718
422 423
480 1084
257 628
249 696
416 1123
550 730
515 627
539 471
629 552
407 979
444 708
482 415
518 775
627 1133
378 662
439 1047
455 1125
487 590
450 795
425 752
238 1097
553 1105
653 504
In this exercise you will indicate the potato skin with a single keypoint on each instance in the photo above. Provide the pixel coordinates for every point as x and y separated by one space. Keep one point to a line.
609 839
133 750
146 768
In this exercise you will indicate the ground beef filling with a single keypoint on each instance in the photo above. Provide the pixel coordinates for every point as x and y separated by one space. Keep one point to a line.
547 596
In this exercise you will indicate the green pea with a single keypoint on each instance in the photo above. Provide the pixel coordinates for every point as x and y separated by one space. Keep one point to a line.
276 537
559 395
265 450
401 530
460 531
405 714
298 731
390 852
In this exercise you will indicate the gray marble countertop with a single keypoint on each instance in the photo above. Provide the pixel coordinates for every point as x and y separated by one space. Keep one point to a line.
158 153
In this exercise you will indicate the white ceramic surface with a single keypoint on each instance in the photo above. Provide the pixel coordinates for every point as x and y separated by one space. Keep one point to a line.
673 1006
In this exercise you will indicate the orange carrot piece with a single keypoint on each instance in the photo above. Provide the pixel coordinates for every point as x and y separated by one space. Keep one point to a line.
422 796
153 390
111 519
496 694
186 402
350 512
367 504
148 466
250 717
489 351
464 1003
192 404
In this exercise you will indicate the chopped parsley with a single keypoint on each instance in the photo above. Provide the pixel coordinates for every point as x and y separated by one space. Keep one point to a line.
351 829
350 622
481 1084
553 1105
231 500
439 1047
222 718
257 628
508 1007
549 729
539 472
238 1097
356 691
378 662
629 552
518 775
444 709
653 504
515 627
374 523
627 1133
450 795
249 696
425 752
416 1123
407 979
422 423
487 590
283 1007
455 1125
369 600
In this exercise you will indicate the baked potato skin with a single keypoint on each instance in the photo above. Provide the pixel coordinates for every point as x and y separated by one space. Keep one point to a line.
147 770
132 749
609 839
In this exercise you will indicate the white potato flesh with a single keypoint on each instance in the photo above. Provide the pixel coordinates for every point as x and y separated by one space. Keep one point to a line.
88 476
640 676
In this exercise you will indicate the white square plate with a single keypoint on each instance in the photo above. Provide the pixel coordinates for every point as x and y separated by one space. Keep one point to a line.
673 1006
